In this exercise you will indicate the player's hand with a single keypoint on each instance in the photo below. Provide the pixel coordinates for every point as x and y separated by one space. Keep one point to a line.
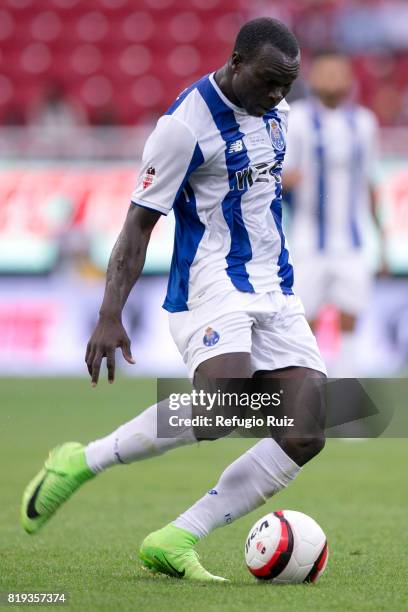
108 335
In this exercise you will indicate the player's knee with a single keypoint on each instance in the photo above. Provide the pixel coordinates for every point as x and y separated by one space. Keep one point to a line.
208 434
302 450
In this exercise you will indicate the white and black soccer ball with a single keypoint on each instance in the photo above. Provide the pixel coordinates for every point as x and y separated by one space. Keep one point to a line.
286 547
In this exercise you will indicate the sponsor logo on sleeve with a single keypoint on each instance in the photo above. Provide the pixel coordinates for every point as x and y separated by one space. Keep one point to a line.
149 177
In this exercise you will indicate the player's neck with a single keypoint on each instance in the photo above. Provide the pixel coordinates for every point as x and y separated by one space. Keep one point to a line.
223 78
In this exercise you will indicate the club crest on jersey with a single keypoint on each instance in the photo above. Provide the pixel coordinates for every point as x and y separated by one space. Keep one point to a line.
149 177
276 135
211 337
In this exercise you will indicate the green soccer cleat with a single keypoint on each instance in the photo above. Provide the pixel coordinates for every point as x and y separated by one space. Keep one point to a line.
63 473
170 551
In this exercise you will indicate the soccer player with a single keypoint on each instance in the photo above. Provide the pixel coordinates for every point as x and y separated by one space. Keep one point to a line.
215 158
331 158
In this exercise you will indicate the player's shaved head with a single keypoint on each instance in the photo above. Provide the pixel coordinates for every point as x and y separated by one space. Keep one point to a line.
256 33
263 65
331 78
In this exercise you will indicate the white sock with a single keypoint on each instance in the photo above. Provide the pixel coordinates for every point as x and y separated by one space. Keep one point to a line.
137 440
345 362
247 483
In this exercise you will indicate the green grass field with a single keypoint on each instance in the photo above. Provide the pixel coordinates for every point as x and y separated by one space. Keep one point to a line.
356 491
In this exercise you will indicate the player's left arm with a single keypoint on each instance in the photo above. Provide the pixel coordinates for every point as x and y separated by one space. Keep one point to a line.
375 207
292 174
373 163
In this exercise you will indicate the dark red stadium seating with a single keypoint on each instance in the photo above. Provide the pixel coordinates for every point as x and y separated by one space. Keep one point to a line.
132 57
125 47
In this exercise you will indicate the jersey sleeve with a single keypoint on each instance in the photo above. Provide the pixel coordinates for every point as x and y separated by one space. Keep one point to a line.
170 155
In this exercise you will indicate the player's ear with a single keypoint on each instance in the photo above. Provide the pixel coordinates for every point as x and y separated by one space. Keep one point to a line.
236 61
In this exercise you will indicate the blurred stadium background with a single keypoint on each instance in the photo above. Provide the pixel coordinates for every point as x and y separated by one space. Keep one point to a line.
81 84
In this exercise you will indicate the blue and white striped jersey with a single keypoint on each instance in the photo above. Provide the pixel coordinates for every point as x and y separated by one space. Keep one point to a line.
336 153
219 169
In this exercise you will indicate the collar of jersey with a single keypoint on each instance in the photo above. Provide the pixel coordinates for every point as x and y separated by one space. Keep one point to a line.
237 109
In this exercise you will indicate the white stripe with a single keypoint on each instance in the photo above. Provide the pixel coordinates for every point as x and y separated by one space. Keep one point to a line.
208 267
256 214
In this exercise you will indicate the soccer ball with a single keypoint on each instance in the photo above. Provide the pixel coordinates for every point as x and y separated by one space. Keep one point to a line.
286 547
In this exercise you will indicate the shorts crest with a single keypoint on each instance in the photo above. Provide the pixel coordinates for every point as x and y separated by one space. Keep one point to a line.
211 337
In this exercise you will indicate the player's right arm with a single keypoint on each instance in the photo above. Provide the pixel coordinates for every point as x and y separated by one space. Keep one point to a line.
125 266
170 155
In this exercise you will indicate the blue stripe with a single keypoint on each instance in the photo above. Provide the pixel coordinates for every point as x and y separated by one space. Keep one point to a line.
321 182
183 96
355 173
240 250
188 234
285 272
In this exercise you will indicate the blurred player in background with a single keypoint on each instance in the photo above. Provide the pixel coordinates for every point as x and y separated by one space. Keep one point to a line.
331 158
216 158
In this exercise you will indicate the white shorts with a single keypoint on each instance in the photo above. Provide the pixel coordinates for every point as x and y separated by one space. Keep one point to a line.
340 280
271 327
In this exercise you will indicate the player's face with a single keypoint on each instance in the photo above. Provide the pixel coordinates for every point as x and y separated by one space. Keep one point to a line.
260 84
331 79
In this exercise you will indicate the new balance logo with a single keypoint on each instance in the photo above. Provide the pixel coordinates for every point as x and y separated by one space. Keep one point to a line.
236 146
